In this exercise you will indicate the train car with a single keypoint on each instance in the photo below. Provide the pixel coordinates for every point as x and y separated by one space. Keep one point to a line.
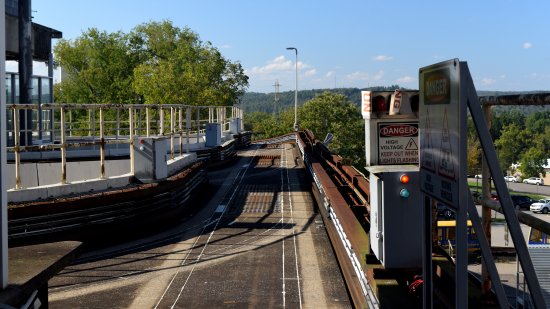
446 235
538 246
538 238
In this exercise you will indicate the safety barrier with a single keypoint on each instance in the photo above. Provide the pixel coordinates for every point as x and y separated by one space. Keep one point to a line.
60 128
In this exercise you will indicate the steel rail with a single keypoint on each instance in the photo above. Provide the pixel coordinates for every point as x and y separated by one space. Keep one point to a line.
347 235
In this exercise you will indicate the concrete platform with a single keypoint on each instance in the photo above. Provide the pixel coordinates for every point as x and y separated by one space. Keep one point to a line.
30 268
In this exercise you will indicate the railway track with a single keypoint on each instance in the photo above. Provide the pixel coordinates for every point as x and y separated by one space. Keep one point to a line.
253 244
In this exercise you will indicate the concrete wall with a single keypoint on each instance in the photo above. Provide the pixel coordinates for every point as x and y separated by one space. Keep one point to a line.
43 174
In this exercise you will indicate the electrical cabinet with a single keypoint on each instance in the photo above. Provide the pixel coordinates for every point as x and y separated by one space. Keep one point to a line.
396 216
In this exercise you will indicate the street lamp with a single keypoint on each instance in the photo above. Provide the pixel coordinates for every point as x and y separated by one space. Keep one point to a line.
296 91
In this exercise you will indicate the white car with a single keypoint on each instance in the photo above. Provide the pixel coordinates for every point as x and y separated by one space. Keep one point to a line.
510 178
534 181
541 206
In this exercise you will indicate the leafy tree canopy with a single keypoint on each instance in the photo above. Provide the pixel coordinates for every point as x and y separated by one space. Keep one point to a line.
155 63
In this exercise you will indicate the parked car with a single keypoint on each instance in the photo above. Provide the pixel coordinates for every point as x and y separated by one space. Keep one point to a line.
510 178
522 201
534 181
541 206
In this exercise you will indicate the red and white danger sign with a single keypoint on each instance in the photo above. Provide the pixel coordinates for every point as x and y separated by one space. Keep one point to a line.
398 143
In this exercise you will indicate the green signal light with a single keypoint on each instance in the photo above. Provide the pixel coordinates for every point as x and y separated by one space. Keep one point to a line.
404 193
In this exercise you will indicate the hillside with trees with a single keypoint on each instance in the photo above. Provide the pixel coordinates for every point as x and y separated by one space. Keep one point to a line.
265 102
521 134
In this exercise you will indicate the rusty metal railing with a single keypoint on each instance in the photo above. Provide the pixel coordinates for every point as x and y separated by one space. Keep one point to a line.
75 125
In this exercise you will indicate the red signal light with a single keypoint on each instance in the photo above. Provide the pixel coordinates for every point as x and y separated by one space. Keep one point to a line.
404 178
380 104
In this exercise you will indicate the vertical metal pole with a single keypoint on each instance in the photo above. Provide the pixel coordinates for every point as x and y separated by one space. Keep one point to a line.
17 150
25 68
198 125
70 123
295 91
427 255
180 127
147 122
161 119
101 144
296 126
461 268
486 211
39 110
131 135
242 117
117 122
172 129
63 147
3 164
187 127
50 85
222 110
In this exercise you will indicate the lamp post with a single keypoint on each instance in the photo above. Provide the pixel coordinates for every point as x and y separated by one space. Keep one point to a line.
296 127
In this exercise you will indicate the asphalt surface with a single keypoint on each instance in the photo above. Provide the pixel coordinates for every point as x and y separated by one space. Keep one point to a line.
521 187
257 242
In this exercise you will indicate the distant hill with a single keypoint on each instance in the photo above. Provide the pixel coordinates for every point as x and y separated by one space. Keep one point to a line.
265 102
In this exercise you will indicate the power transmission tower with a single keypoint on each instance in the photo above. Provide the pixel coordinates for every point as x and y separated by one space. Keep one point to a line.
276 102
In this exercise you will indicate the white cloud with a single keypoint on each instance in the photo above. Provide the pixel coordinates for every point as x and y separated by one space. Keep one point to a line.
382 58
363 76
330 74
302 66
527 45
226 46
487 81
406 80
280 63
311 72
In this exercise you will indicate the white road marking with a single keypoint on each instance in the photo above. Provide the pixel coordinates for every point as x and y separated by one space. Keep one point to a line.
283 225
293 235
238 179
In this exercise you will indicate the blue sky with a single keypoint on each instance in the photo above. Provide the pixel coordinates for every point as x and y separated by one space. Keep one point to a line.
342 43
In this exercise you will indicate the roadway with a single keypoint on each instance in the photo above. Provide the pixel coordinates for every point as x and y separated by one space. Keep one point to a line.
521 187
256 242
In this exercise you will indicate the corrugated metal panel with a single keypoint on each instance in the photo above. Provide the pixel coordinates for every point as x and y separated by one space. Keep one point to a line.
540 257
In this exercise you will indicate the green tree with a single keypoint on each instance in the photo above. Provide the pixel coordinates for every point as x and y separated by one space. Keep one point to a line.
97 69
155 63
334 113
180 68
538 122
511 145
473 154
532 162
504 119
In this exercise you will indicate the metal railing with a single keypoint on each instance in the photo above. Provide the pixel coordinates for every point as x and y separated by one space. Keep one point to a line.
66 126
